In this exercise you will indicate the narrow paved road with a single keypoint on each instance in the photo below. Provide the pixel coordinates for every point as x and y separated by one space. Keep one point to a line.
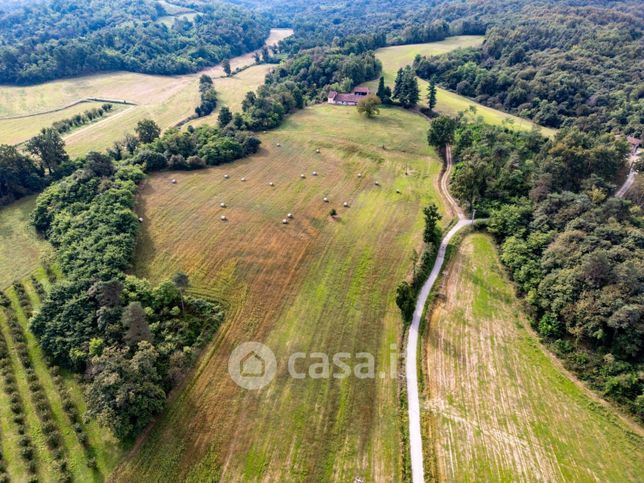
630 179
413 401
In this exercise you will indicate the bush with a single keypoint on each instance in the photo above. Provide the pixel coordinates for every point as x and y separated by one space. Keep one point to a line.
53 440
27 453
24 441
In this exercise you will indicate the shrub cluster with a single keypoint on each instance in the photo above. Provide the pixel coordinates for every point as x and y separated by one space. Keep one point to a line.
51 274
65 125
40 289
4 300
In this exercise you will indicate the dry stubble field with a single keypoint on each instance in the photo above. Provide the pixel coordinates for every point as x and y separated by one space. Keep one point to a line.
497 408
316 284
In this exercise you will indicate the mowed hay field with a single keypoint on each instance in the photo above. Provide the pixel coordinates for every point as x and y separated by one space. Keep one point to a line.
396 57
498 408
166 99
316 284
21 249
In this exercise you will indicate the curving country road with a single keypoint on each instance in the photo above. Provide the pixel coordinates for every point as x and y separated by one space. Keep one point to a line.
411 371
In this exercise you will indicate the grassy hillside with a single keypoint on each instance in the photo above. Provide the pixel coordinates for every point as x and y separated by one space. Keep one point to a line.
166 99
316 284
499 408
21 248
394 58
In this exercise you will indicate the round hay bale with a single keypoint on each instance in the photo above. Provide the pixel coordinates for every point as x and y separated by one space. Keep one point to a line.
345 204
271 184
302 176
377 183
243 179
315 173
140 220
284 221
398 191
290 215
317 150
326 200
223 218
222 204
359 175
278 145
174 181
226 176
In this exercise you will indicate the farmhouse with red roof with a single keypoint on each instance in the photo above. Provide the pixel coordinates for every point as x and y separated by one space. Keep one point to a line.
348 99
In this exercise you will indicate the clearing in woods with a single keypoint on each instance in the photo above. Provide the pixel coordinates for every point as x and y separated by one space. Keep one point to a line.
497 408
165 99
399 56
21 249
315 284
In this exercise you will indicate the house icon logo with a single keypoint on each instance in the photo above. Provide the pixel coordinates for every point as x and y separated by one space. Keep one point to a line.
252 365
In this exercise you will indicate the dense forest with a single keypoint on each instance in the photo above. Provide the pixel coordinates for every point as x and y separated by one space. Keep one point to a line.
52 39
560 66
574 251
